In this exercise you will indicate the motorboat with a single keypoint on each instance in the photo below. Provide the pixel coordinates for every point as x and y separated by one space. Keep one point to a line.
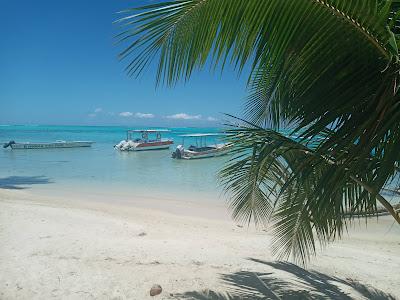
141 140
200 148
49 145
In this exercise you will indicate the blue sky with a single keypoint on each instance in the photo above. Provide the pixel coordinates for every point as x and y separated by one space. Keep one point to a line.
58 65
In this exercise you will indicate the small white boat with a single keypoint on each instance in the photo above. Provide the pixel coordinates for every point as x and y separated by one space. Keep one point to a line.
143 142
51 145
201 149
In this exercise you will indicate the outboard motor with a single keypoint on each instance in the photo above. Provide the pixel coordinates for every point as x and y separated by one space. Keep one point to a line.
8 144
178 153
119 145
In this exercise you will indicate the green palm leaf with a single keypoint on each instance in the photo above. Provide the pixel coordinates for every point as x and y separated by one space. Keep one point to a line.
308 193
325 70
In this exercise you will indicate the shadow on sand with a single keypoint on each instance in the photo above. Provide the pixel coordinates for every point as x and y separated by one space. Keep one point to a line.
297 283
22 182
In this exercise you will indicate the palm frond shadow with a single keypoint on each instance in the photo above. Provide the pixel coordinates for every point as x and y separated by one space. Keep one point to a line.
303 284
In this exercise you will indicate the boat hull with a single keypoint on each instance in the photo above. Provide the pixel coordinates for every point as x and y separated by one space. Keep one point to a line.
219 150
144 146
56 145
152 147
216 153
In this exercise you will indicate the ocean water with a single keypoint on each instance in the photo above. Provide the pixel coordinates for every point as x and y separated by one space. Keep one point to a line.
101 168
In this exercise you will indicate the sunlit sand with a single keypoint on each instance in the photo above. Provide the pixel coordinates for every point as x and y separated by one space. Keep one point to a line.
58 247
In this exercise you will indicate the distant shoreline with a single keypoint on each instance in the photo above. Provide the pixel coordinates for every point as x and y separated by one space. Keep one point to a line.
138 126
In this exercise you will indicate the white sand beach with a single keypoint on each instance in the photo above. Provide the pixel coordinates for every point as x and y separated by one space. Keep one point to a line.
58 248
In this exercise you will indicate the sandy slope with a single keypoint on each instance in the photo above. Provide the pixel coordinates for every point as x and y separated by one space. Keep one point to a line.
88 250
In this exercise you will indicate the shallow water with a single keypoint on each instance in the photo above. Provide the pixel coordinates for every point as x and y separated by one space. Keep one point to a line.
101 168
105 171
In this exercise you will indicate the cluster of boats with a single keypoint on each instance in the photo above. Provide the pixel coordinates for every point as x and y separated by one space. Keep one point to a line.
144 140
152 140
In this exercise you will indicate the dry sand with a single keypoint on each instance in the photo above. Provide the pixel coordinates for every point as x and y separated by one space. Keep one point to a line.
63 249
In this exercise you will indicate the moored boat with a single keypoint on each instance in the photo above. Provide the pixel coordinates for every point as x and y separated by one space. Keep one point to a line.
143 142
49 145
201 149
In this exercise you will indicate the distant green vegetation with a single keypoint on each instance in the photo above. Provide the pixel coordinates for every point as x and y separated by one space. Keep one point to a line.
326 70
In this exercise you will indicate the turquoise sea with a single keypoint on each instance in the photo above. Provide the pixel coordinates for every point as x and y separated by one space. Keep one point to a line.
101 168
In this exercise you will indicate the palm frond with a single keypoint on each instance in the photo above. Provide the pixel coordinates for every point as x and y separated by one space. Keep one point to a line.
312 197
327 71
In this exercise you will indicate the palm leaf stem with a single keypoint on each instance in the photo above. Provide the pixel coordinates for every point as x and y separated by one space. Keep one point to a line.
372 191
380 198
357 25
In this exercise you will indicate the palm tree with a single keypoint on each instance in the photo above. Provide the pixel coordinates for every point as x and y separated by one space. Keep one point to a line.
320 136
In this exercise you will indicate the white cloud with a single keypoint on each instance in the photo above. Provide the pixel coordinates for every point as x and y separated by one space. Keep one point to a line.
144 116
183 116
95 112
126 114
212 119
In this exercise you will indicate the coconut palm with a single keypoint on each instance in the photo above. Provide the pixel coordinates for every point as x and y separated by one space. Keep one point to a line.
320 136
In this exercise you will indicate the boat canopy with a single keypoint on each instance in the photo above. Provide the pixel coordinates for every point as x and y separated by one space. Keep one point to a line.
201 138
145 133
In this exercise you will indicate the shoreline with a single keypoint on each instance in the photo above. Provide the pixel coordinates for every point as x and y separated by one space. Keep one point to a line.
58 247
196 205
